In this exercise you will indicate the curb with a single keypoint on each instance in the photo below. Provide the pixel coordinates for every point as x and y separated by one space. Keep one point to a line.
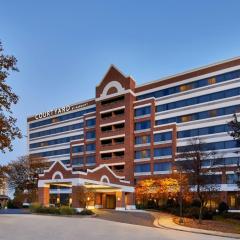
159 225
69 216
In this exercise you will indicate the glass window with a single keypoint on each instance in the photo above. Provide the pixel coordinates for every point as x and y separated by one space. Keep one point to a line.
196 84
201 115
91 122
90 135
78 161
142 154
166 166
158 152
186 87
142 139
90 147
77 149
56 130
211 80
142 168
200 99
61 118
231 178
142 125
159 137
143 111
186 118
90 160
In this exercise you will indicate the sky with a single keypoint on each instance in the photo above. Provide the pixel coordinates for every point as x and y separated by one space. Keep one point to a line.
64 48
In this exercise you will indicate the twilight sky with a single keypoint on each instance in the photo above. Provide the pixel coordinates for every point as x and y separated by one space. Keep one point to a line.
65 47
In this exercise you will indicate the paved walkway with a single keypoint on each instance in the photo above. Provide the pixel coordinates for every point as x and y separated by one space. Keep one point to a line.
164 220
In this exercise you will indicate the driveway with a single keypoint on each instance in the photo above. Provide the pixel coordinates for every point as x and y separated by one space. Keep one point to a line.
14 211
130 217
38 227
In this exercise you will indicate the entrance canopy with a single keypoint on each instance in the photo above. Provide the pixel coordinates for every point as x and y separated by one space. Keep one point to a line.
98 179
109 189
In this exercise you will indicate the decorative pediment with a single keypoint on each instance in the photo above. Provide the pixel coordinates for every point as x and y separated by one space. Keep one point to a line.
114 82
57 171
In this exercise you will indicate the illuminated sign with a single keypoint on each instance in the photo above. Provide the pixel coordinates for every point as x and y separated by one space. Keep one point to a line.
59 111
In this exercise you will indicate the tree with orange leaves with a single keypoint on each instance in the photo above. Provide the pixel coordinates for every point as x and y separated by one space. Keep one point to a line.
156 189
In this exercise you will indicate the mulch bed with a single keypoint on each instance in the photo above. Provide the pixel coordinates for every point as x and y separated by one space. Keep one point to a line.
220 225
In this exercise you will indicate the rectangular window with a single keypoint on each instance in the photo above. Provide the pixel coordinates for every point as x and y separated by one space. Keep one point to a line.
142 139
211 80
90 135
90 147
166 166
77 149
160 137
56 130
186 118
142 168
159 152
143 125
143 111
90 160
186 87
91 122
231 178
142 154
78 161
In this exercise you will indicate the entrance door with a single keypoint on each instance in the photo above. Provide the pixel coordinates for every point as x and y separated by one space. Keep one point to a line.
111 201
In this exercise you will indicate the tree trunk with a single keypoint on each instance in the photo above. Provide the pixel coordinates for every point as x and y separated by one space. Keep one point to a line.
200 213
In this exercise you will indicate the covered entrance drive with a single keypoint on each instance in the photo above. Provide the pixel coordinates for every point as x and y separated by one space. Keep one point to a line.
96 188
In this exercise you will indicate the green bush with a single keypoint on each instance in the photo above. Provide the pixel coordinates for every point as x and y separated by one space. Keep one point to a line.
10 204
223 207
192 212
34 207
231 215
196 203
64 210
86 212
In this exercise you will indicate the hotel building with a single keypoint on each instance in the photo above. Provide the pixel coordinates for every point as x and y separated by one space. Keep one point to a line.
130 132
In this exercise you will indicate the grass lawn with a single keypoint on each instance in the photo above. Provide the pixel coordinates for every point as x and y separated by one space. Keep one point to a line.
219 224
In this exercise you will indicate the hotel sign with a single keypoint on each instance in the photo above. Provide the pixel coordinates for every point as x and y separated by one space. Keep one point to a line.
59 111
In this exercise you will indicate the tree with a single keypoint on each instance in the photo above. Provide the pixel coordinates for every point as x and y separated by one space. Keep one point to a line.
8 129
234 126
3 177
156 189
201 180
85 196
23 175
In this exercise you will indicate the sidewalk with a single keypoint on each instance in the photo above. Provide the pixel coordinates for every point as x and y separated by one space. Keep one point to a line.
164 220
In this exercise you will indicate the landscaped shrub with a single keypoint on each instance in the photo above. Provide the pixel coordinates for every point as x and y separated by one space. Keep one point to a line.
196 203
223 207
64 210
34 207
193 212
11 204
171 203
86 212
208 214
231 215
